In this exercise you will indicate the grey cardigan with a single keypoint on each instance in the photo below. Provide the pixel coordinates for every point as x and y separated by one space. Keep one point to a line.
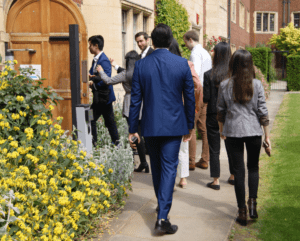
242 120
121 78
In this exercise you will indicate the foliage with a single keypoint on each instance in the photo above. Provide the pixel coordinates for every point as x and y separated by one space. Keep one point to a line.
261 58
59 189
259 75
211 43
293 72
287 40
172 13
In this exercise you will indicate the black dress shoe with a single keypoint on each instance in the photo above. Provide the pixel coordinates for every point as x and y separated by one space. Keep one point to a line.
215 187
165 226
141 167
231 182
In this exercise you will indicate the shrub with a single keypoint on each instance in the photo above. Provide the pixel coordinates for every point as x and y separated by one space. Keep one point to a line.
211 43
259 75
173 14
50 188
293 73
287 40
261 58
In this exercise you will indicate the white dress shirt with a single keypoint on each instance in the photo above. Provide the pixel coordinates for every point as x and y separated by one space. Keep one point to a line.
145 52
201 60
96 58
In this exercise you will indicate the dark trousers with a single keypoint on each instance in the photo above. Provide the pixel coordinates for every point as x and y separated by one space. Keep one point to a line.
163 153
214 142
141 146
109 120
236 150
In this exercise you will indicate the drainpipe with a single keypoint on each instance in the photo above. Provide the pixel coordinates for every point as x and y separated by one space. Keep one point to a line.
283 22
229 21
289 17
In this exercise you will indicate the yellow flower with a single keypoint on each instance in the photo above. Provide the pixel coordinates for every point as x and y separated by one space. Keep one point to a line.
60 118
16 128
110 170
15 62
51 107
10 138
20 98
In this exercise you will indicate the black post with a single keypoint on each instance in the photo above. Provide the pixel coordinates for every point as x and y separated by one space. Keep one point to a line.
282 63
75 72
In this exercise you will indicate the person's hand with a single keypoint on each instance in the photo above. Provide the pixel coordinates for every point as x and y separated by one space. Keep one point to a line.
91 83
187 137
112 62
91 76
131 142
222 137
268 142
99 68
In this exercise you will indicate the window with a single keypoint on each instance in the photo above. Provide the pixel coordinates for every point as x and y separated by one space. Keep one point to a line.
248 21
242 15
233 10
145 21
124 27
266 22
135 16
297 20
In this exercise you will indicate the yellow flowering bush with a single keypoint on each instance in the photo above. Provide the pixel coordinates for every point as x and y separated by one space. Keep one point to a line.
288 39
50 189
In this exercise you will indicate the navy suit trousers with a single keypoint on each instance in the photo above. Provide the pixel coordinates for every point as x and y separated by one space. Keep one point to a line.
163 152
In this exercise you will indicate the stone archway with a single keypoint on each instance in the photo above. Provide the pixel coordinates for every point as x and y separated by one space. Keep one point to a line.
33 24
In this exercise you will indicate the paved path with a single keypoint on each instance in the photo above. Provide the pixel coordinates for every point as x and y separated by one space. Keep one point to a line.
200 213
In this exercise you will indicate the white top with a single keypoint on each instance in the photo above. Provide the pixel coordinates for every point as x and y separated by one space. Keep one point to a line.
201 60
96 58
145 52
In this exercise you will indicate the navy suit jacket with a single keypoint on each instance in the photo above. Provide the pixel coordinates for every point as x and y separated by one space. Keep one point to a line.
105 63
160 81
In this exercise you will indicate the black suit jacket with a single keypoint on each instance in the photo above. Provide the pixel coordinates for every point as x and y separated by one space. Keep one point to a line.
149 52
210 93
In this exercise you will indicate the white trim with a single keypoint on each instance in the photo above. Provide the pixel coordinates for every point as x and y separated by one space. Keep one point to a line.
241 18
292 17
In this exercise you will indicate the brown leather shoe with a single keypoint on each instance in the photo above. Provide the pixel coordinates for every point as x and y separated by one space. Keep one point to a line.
242 217
252 208
192 167
201 164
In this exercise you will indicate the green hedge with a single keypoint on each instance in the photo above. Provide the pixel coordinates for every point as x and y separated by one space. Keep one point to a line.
172 13
293 72
262 58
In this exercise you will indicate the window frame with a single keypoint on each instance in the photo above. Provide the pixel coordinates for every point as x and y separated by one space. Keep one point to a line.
262 22
293 18
124 34
248 21
242 15
233 11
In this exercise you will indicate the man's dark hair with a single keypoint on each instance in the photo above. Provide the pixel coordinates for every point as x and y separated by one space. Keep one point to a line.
162 36
191 34
146 36
97 40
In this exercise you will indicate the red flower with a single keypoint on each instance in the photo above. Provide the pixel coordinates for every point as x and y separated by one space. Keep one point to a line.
220 38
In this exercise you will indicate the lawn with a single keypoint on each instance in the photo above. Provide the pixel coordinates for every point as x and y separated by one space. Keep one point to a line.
279 190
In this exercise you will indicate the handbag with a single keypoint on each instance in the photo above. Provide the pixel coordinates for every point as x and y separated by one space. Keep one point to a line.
267 148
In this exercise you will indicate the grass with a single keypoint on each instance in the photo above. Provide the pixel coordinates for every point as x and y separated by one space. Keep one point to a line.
279 190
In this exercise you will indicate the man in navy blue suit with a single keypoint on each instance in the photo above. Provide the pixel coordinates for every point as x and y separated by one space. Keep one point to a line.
160 81
103 95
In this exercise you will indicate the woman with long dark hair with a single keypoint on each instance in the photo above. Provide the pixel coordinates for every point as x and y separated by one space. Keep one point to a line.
242 111
125 77
212 80
183 156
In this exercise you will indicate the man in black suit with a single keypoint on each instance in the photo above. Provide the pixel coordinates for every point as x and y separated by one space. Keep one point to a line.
142 40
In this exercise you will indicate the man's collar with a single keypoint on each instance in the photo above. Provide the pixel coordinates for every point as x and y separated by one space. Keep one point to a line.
98 56
161 48
197 46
